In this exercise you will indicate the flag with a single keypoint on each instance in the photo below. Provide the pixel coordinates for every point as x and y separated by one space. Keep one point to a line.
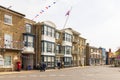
67 13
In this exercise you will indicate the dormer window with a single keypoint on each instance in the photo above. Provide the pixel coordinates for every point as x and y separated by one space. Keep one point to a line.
7 19
28 28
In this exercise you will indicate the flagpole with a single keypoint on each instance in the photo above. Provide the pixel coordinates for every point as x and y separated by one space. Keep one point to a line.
67 18
66 21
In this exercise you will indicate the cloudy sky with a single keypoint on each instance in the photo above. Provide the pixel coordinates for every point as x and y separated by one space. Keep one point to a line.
97 20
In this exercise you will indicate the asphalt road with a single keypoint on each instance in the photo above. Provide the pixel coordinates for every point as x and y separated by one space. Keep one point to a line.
79 73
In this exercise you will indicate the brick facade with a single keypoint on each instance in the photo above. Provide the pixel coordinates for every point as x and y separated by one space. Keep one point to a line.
14 32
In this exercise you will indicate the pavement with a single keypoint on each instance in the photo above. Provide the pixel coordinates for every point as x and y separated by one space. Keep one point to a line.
31 71
17 72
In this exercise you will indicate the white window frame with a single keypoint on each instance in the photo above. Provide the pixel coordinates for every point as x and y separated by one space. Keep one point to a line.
57 35
30 41
28 28
8 19
8 41
10 64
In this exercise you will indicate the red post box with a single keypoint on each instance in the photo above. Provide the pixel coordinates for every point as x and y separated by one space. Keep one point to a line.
18 66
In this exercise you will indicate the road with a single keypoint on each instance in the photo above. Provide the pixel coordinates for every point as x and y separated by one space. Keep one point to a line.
77 73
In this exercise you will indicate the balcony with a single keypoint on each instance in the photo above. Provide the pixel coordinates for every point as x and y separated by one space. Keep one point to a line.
13 46
28 50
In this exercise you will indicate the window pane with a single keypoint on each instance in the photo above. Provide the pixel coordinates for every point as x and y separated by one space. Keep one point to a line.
53 48
42 46
49 47
30 41
8 19
7 60
45 30
53 32
28 28
49 32
8 41
49 59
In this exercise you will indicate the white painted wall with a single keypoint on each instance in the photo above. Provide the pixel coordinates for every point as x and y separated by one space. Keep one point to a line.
47 38
48 53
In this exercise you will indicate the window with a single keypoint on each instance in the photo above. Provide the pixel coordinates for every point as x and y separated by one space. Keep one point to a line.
47 30
48 47
8 41
28 39
67 61
7 61
58 49
7 19
91 50
67 49
53 32
57 35
67 37
28 28
42 47
25 40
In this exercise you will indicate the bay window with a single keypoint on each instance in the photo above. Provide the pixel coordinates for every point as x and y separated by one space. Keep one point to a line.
48 31
48 46
28 40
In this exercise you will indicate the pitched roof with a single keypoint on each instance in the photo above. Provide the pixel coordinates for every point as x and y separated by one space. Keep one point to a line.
1 7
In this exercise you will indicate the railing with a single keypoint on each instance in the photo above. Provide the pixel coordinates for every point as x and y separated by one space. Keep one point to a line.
13 45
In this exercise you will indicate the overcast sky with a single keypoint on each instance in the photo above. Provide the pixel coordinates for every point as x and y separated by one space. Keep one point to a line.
97 20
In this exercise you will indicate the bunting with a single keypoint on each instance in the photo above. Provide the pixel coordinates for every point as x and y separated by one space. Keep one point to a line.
45 9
